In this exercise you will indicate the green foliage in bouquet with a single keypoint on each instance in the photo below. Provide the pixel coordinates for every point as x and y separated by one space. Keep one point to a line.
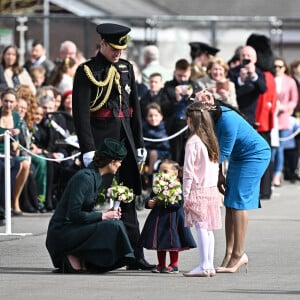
119 192
101 197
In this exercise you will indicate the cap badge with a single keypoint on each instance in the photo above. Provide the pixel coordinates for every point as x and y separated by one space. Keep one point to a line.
124 39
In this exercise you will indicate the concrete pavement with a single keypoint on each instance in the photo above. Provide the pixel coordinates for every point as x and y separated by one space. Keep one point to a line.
272 245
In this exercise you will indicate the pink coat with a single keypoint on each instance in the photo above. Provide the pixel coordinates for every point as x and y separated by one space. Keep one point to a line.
198 170
201 195
288 98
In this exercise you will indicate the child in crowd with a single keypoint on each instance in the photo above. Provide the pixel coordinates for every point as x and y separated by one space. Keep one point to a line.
154 93
38 76
154 128
164 227
200 191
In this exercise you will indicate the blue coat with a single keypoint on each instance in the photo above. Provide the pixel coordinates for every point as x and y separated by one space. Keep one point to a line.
156 132
249 155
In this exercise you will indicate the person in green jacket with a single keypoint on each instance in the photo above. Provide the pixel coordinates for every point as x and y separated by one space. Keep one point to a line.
80 239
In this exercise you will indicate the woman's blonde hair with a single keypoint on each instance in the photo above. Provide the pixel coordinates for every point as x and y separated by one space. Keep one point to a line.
219 61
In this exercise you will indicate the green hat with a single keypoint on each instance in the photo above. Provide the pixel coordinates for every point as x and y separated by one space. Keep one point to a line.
112 148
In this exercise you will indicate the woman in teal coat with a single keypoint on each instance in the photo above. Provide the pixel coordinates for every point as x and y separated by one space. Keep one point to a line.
248 155
80 239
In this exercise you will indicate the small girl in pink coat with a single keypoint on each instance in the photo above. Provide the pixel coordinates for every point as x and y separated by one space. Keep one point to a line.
200 191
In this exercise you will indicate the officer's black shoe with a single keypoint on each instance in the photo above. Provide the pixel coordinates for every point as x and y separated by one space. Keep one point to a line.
140 264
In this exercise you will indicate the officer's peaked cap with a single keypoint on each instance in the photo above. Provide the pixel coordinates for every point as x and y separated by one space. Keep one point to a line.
114 34
199 48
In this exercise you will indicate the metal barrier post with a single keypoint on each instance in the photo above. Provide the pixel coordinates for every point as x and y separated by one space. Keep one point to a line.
7 187
7 183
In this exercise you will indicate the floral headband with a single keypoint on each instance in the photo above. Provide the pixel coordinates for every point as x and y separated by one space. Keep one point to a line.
206 98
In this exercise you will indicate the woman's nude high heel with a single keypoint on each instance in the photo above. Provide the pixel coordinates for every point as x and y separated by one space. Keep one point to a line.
243 261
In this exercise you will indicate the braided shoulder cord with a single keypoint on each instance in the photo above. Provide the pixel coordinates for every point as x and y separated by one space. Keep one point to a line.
113 76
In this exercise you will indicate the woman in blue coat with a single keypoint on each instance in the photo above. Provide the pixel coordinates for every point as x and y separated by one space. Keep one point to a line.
249 155
81 239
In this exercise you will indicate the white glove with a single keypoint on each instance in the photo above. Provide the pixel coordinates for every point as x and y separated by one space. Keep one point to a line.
141 155
88 157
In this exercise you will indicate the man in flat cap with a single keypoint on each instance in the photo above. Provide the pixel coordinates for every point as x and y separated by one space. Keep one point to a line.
105 104
200 54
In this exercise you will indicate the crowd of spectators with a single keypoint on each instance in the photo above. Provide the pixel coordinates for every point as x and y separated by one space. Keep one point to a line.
43 104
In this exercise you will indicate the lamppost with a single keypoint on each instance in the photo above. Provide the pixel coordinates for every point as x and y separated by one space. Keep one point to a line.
22 28
46 25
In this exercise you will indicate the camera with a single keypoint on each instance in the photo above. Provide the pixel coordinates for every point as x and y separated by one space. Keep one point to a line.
184 87
245 62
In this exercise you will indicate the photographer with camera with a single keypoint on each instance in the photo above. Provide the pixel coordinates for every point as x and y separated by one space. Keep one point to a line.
249 83
175 97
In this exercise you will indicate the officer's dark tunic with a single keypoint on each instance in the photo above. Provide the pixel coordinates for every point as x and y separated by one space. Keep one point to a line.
118 118
75 228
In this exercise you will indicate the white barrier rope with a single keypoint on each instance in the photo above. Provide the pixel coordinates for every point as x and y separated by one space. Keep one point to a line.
284 139
7 176
145 139
46 158
168 137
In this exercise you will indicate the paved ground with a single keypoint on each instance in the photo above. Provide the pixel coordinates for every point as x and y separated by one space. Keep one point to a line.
273 248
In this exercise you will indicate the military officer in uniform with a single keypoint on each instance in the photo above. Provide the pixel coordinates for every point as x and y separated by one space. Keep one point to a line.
105 105
200 55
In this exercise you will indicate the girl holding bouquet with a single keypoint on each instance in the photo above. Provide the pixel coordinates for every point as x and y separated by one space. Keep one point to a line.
200 191
164 228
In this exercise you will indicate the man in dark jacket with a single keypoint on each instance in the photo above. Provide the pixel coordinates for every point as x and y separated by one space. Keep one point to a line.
105 104
249 83
175 97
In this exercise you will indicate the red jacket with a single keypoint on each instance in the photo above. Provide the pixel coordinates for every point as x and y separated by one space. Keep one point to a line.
266 105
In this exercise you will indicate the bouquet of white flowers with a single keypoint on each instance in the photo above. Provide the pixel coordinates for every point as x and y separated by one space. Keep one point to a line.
167 188
118 192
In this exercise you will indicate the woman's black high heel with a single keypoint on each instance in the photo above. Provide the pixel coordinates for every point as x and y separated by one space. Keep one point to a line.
68 268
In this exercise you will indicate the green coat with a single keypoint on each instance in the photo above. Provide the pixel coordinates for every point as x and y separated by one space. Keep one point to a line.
75 228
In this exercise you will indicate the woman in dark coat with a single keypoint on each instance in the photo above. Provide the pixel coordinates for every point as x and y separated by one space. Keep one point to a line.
80 238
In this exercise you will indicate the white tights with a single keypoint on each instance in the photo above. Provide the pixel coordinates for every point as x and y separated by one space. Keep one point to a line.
206 245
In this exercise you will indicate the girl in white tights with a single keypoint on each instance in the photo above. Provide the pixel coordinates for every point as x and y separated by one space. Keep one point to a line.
200 191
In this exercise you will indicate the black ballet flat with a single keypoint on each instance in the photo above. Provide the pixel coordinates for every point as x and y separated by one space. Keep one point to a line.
16 213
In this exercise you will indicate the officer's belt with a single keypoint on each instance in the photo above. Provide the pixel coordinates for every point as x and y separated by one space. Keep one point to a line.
108 113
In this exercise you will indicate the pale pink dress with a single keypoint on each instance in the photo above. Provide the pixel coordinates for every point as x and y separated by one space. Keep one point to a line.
200 191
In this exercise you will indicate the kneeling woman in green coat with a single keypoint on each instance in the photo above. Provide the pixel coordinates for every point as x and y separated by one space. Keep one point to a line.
80 239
